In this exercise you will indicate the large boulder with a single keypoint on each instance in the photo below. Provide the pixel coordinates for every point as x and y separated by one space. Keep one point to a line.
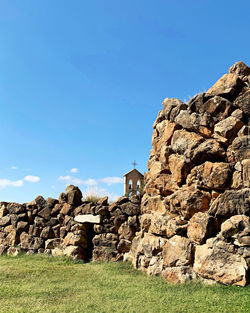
211 175
74 195
201 226
228 86
178 251
220 262
188 201
231 202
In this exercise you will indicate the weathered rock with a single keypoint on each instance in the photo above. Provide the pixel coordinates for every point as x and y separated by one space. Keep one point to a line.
221 265
244 131
228 86
188 201
145 221
51 202
104 254
211 175
40 202
15 208
179 167
158 224
234 225
124 245
126 232
31 243
122 200
74 240
172 107
12 238
217 106
62 197
103 201
14 251
231 202
228 127
239 149
165 130
243 100
39 221
156 169
246 172
196 102
74 252
88 208
3 210
22 226
151 245
74 195
155 266
240 69
201 226
209 150
5 220
130 209
178 251
47 233
238 114
179 275
53 243
106 240
184 142
66 209
163 185
154 204
45 213
177 226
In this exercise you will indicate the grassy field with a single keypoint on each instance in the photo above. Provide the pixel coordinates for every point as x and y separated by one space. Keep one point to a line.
44 284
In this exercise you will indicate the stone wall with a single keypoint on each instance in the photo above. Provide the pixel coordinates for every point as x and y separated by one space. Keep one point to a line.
193 219
196 206
48 226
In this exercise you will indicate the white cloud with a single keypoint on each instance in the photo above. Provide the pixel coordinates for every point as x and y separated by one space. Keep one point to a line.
32 179
14 167
65 178
111 180
6 182
77 181
90 182
53 187
74 170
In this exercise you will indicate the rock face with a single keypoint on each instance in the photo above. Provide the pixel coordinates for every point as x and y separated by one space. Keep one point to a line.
196 206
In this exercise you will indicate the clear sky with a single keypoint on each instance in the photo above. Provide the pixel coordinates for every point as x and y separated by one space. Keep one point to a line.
81 83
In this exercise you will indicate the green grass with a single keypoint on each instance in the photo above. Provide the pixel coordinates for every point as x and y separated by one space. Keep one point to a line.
40 283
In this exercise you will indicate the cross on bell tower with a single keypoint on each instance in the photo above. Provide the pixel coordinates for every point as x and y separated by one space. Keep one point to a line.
133 180
134 163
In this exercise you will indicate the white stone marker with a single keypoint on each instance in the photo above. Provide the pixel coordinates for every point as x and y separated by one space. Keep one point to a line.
88 218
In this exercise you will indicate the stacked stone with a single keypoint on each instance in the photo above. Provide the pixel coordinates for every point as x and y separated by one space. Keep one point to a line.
119 225
196 206
48 226
44 226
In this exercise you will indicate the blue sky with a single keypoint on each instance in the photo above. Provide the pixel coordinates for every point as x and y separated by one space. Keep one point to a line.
81 83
